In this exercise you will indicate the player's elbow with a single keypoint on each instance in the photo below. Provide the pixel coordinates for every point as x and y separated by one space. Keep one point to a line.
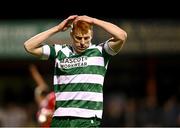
27 47
123 36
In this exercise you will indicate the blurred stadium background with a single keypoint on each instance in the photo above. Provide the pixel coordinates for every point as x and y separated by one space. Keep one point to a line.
142 85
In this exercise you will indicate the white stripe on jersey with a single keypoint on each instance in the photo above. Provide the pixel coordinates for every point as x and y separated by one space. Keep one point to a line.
45 52
98 61
66 51
78 112
79 78
90 96
57 48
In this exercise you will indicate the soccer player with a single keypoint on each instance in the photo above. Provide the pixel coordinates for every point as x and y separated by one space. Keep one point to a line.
80 68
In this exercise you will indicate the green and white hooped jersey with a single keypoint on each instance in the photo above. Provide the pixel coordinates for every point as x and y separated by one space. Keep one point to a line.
78 79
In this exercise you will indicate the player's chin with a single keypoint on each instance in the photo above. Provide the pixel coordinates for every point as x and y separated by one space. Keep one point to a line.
80 50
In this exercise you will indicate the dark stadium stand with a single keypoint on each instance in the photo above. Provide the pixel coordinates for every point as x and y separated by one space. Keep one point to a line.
103 8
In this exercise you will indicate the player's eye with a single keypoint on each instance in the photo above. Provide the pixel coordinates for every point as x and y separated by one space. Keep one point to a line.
78 38
86 38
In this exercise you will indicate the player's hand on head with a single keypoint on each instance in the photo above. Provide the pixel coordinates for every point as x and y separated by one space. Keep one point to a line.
65 24
84 18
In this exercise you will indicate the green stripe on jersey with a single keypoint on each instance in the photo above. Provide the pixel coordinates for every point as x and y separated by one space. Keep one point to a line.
106 56
80 104
99 70
61 55
52 52
91 53
78 87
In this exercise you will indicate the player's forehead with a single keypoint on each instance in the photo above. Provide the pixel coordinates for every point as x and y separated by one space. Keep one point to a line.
81 34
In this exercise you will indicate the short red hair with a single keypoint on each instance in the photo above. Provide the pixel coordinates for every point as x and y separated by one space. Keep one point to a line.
81 26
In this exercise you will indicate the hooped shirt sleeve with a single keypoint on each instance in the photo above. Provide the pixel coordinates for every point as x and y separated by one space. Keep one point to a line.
108 49
107 52
50 51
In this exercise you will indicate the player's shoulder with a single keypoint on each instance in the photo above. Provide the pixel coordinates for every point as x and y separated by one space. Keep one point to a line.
96 45
60 47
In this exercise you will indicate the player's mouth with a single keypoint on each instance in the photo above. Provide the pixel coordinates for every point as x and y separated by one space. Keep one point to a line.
81 48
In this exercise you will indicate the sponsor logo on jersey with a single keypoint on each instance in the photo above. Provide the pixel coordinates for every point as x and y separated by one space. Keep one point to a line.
68 63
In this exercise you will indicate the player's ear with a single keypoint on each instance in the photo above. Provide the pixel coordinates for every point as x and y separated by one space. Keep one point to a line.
71 33
92 33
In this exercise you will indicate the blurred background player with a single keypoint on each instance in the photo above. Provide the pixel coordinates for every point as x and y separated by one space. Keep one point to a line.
44 98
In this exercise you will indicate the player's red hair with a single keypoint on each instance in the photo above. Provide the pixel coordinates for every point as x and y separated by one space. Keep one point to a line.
82 27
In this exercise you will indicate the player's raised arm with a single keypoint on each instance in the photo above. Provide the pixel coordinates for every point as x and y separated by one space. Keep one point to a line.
34 44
